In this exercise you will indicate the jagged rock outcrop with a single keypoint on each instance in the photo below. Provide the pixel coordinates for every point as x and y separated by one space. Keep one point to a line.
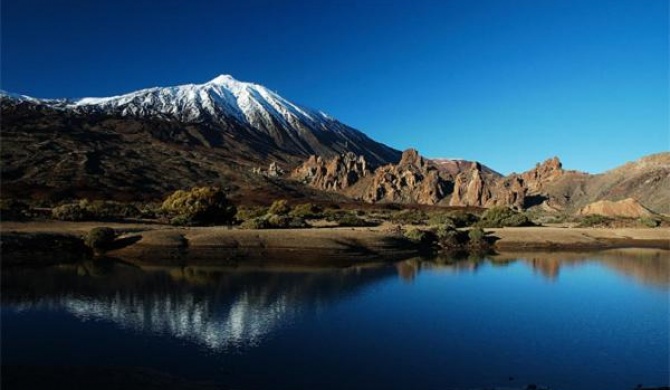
332 175
477 188
535 179
412 180
629 208
274 170
547 186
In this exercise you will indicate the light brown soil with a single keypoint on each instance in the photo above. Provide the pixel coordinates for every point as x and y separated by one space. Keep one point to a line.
166 244
579 238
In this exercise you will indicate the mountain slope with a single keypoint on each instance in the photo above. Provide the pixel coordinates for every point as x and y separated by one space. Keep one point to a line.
226 102
150 142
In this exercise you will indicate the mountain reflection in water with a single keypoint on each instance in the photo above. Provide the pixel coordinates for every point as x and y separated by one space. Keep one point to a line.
217 308
225 309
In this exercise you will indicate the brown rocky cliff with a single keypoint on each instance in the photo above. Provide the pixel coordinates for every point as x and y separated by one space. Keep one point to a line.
412 180
332 175
475 188
537 178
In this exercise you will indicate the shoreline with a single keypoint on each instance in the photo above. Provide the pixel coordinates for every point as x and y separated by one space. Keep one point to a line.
160 244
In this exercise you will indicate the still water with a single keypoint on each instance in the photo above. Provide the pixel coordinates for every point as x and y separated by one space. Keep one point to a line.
564 321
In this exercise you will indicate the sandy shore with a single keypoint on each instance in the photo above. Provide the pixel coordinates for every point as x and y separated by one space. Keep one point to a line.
579 238
149 243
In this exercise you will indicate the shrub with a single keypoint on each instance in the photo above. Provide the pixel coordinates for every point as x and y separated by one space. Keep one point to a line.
100 238
449 237
13 210
351 220
441 219
595 220
279 207
109 210
334 215
419 236
463 218
182 220
202 205
306 211
255 223
649 222
500 216
246 213
415 235
409 216
70 212
285 222
477 237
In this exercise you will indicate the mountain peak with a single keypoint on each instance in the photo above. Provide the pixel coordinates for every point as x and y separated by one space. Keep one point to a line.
222 79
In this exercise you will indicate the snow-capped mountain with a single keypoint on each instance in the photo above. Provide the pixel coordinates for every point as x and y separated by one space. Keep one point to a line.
223 100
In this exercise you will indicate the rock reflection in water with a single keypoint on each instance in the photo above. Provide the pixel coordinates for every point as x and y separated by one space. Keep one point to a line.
646 266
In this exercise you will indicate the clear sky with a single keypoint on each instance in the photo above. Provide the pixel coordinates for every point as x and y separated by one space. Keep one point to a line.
505 82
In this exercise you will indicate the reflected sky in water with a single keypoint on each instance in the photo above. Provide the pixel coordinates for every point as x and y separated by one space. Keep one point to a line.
568 321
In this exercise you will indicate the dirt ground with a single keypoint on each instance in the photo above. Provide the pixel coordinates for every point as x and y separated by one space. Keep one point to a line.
336 237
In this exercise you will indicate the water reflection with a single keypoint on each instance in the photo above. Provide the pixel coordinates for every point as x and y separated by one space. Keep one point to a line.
646 266
223 309
217 308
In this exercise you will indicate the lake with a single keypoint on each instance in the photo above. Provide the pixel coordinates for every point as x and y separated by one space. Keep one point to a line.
556 320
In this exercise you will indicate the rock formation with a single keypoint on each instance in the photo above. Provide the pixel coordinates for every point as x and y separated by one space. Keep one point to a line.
412 180
477 188
332 175
548 186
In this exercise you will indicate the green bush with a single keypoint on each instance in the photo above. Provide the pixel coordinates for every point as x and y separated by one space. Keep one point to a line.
351 220
477 237
201 205
255 223
70 212
108 210
182 220
100 238
450 237
650 222
463 218
286 222
422 237
334 215
279 207
409 217
246 213
415 235
441 219
595 220
500 216
307 211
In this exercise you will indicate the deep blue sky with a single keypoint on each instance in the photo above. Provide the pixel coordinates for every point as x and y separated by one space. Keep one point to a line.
505 82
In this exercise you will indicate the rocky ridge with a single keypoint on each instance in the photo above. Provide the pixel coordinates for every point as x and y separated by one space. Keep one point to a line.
415 179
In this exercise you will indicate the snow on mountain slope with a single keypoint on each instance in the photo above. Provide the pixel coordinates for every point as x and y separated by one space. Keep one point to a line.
221 96
225 100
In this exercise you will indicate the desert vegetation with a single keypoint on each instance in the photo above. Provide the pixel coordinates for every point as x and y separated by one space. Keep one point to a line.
100 238
500 216
199 206
278 216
